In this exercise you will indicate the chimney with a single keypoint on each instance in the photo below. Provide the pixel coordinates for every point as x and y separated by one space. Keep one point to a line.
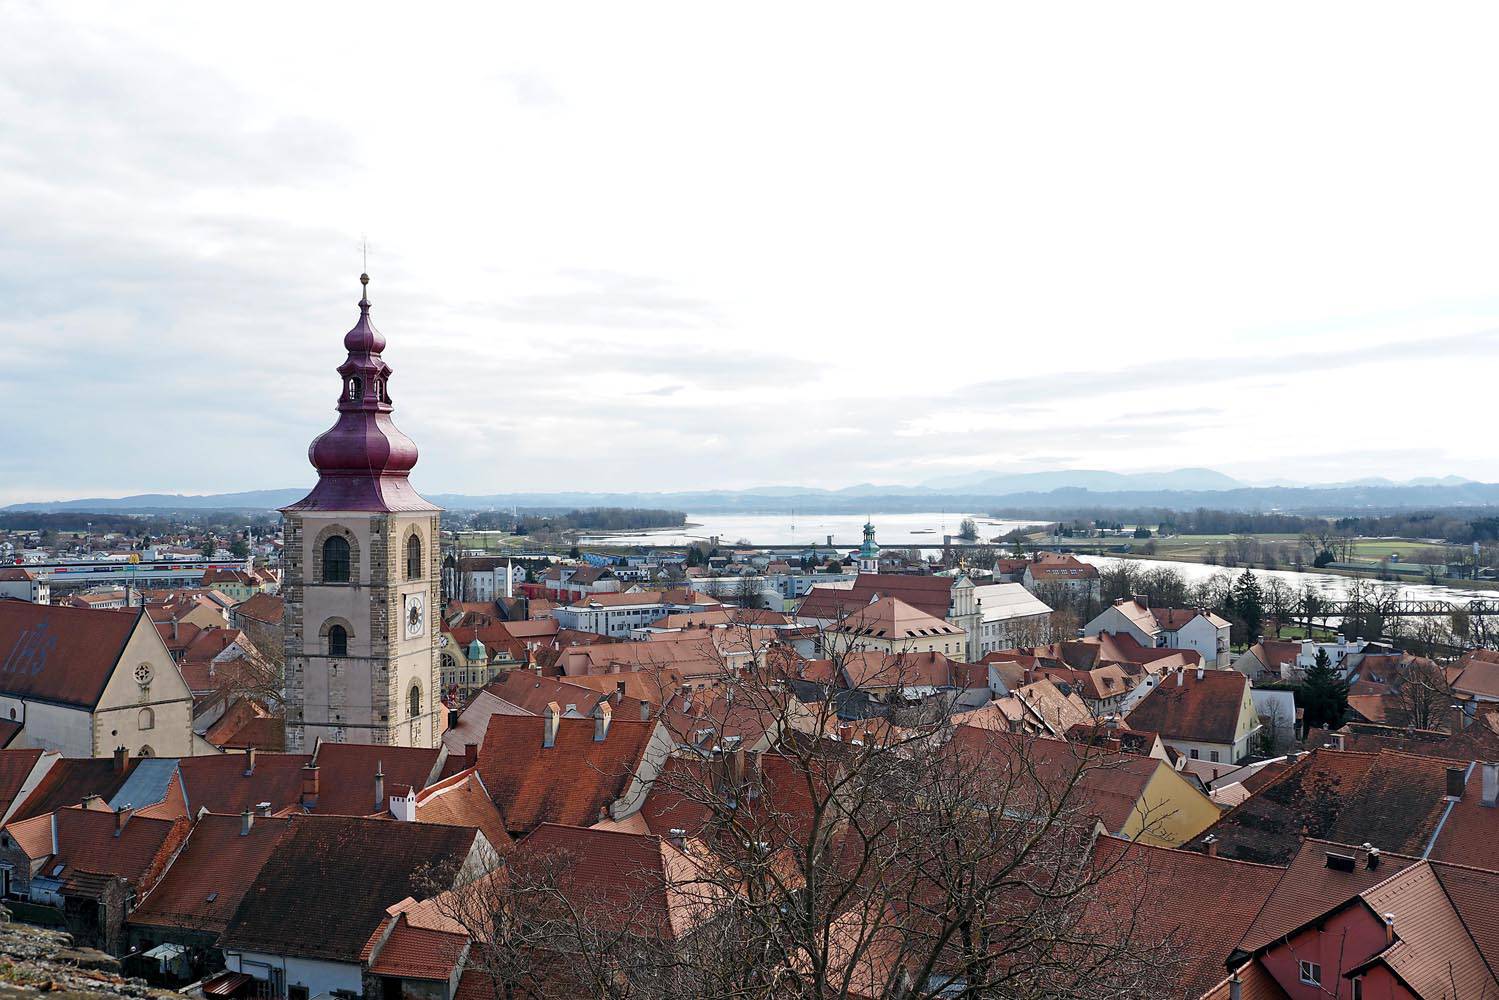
1210 845
89 800
379 785
309 785
601 718
452 718
1459 718
122 816
549 728
403 807
645 711
1180 672
1235 988
1490 784
1389 929
1200 671
174 628
263 808
678 837
122 758
619 691
1371 859
1456 779
249 761
55 848
470 755
246 822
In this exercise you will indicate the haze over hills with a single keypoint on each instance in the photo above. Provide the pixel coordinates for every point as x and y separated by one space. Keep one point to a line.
1036 493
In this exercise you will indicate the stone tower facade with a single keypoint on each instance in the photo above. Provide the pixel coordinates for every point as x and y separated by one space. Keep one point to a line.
360 574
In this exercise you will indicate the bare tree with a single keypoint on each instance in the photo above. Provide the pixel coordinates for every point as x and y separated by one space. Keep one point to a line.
872 850
1422 695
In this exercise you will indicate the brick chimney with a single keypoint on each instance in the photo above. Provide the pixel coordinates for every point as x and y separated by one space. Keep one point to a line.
379 785
1210 845
122 816
122 758
263 808
1457 779
549 726
309 785
602 715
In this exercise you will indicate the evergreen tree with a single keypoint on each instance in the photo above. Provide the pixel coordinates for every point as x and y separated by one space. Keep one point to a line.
1249 604
1323 695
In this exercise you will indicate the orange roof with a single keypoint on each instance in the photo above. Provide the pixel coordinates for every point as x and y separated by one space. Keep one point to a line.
419 952
346 779
462 800
892 619
218 782
1203 705
573 781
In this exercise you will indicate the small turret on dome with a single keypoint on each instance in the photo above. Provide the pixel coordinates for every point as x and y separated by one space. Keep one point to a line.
363 460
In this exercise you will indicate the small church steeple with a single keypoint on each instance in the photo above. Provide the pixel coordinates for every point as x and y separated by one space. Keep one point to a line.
869 552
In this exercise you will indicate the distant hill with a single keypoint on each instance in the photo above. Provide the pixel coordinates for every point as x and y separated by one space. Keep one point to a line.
1035 501
1085 479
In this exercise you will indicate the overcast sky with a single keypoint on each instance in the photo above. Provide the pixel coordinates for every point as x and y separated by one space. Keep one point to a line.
638 246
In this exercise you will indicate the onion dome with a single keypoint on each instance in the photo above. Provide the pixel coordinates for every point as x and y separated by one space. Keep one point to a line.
363 459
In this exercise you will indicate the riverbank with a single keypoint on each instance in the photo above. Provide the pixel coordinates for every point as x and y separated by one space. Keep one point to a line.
1260 567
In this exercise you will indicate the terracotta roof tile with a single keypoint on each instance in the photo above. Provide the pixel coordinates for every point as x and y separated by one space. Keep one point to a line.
210 875
1205 706
327 887
58 653
570 782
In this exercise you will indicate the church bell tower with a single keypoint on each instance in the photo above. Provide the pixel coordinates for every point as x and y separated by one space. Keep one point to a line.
360 574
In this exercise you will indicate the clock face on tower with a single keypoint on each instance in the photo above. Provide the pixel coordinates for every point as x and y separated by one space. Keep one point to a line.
416 616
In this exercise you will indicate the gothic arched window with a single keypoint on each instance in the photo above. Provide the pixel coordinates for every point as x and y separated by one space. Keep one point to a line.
338 641
356 389
416 700
336 559
414 558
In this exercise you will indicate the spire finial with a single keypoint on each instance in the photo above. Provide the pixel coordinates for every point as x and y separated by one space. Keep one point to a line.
364 277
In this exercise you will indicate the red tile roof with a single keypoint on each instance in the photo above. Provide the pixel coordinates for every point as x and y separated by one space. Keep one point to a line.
419 952
571 782
462 800
616 879
218 782
346 775
1198 705
71 779
327 887
1161 893
210 875
61 654
16 767
88 844
929 594
267 608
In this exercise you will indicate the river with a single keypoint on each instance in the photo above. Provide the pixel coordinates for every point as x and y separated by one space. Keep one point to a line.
847 530
925 530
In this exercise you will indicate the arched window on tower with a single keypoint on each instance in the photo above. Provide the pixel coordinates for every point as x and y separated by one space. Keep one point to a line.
415 698
338 641
414 558
336 559
356 389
